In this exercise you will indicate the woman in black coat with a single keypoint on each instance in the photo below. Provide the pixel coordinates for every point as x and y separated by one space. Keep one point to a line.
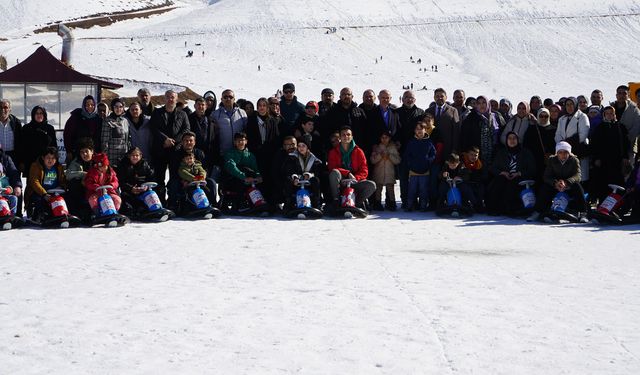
511 165
610 149
263 139
480 129
37 135
540 140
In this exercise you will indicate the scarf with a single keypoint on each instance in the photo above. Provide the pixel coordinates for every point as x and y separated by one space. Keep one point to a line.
472 165
346 155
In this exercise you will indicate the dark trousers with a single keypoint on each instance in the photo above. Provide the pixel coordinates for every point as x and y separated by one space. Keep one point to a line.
547 192
504 195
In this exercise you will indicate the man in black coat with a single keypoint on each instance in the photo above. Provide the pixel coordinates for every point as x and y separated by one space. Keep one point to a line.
408 116
168 123
206 136
345 113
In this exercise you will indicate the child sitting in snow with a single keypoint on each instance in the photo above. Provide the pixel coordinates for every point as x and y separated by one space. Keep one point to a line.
10 183
133 171
45 174
101 174
454 170
478 176
75 173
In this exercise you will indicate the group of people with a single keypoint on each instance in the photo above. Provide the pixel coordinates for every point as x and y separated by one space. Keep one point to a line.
575 144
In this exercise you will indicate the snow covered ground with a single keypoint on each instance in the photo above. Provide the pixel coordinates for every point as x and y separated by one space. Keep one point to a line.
392 294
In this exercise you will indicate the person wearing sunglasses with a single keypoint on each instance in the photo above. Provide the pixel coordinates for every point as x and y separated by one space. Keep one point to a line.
290 107
228 120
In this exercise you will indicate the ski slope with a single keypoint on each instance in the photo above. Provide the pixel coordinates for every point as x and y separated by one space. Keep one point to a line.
512 49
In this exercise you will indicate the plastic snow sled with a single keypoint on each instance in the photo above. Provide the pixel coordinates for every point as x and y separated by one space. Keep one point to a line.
453 206
107 214
196 205
558 211
58 216
528 199
7 219
606 211
251 203
11 222
347 205
151 210
303 208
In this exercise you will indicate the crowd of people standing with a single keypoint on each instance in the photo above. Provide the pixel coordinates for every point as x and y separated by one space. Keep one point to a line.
483 141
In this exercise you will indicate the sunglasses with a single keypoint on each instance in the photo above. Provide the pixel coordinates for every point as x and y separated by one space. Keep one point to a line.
227 97
288 91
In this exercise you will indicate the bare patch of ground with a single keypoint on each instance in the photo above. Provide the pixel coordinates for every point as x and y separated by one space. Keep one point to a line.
105 19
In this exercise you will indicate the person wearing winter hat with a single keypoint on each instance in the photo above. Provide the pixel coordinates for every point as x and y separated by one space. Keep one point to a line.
310 114
326 101
561 175
101 174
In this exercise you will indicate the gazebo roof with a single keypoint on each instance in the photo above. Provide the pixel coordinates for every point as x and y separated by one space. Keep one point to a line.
43 67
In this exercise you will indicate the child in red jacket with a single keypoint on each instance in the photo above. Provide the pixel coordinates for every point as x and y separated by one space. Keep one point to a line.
101 174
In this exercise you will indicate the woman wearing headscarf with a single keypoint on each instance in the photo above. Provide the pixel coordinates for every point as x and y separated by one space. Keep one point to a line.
37 135
540 140
115 137
519 123
480 129
610 150
83 123
512 164
573 128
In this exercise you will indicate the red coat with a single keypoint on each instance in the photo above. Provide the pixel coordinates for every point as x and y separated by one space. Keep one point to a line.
359 167
94 179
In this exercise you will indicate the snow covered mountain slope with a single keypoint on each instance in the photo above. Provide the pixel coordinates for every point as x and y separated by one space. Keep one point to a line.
498 48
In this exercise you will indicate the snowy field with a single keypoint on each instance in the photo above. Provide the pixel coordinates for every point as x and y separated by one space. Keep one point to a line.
391 294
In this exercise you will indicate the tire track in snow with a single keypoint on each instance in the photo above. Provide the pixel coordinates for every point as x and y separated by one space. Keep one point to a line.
399 285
